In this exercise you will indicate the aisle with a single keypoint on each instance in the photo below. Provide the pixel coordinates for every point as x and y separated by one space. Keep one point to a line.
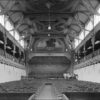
47 92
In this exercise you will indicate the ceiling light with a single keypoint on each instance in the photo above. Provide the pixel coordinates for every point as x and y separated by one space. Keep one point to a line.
48 34
97 42
1 42
48 5
31 49
76 60
49 19
49 27
66 50
23 36
90 47
8 47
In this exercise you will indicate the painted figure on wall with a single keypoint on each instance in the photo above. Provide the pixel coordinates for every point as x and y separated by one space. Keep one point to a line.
49 45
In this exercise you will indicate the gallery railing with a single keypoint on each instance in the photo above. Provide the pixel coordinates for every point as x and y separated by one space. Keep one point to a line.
92 55
11 57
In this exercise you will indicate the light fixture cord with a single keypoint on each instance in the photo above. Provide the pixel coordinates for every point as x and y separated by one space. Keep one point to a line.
49 17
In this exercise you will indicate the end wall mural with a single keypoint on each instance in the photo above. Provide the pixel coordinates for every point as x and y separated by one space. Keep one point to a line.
49 45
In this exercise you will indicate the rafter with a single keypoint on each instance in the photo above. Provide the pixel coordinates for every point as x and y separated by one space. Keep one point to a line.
88 6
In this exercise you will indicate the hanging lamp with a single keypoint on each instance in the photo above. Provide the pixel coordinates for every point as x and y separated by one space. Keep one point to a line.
48 5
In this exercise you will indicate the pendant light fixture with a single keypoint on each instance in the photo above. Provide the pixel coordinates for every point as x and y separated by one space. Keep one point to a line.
49 26
49 6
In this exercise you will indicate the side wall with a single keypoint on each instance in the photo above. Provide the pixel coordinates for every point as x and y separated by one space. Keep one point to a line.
89 73
9 73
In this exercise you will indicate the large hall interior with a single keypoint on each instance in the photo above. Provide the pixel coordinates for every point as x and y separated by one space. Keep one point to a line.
49 49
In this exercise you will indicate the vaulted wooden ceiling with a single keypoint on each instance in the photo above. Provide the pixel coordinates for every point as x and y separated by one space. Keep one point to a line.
65 17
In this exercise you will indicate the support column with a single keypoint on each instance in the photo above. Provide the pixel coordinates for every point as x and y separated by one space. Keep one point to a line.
67 42
5 43
71 47
5 37
29 47
84 44
93 43
14 51
24 56
93 37
84 52
71 71
31 41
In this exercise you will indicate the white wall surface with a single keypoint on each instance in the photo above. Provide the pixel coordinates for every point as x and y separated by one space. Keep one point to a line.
89 73
9 73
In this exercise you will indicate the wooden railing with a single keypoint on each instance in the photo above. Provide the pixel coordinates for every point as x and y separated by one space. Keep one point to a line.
10 57
49 49
92 55
2 52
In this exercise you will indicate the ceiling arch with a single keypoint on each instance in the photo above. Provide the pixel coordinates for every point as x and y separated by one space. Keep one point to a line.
67 17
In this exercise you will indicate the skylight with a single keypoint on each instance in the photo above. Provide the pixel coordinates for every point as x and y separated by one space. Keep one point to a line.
88 27
76 42
17 35
4 21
